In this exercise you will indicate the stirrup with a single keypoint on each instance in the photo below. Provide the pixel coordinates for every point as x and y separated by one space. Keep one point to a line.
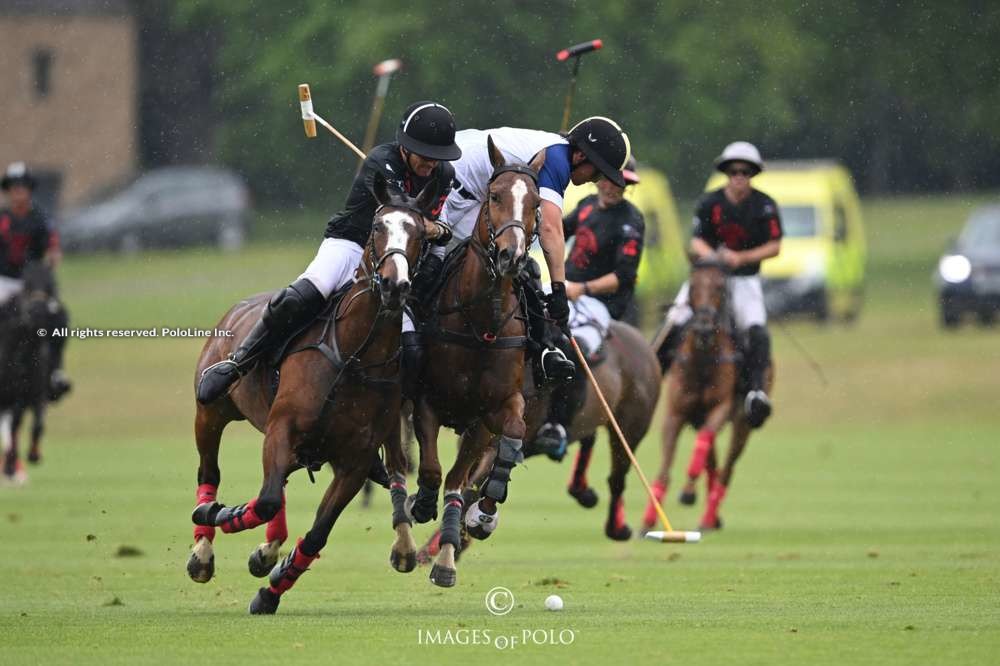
563 370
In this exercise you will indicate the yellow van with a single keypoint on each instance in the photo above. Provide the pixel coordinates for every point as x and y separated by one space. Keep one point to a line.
664 264
821 268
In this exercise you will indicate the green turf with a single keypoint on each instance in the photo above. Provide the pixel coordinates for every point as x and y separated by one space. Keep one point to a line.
861 526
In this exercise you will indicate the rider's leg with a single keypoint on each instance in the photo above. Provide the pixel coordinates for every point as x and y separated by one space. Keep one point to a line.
555 366
59 383
679 314
288 310
748 306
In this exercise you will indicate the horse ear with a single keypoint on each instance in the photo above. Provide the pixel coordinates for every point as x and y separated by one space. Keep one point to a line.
425 200
496 157
380 189
538 161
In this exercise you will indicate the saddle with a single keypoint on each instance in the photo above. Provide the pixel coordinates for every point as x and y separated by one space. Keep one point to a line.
328 346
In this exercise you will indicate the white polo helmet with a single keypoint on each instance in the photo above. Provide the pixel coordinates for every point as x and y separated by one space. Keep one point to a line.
739 151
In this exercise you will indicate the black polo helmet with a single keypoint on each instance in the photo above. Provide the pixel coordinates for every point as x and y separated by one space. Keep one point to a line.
428 129
17 173
605 145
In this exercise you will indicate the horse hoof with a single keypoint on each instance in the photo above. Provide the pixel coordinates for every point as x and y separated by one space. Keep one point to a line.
443 576
265 602
403 562
688 498
620 533
585 497
705 527
262 559
201 571
204 514
34 457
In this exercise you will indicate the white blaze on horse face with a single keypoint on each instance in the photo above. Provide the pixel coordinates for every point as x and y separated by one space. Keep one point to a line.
519 191
395 224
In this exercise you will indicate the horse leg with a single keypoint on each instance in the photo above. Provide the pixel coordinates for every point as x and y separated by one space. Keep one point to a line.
616 527
343 488
403 556
672 424
265 555
37 430
208 426
12 471
493 490
444 572
741 434
578 487
422 507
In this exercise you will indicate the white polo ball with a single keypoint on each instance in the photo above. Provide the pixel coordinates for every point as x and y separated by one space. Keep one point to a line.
554 602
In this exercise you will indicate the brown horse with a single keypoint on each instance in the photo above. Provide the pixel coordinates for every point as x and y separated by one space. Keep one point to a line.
630 381
336 401
703 389
476 339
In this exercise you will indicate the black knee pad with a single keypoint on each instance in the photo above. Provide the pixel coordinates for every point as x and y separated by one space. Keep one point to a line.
292 303
509 454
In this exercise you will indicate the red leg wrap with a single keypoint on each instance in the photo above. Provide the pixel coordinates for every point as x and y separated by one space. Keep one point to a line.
712 508
206 494
579 478
244 520
619 514
649 518
702 445
277 529
292 570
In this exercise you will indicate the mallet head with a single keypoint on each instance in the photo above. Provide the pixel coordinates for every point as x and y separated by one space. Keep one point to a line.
305 101
387 67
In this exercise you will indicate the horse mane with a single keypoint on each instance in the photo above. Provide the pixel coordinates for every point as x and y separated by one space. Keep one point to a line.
704 264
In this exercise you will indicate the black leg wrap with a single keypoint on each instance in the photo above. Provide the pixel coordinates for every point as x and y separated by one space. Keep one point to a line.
509 454
758 355
451 522
397 491
423 505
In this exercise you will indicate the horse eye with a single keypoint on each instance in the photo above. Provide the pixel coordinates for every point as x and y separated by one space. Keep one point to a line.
494 197
378 226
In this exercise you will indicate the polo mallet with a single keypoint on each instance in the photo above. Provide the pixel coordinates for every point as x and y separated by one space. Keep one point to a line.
384 71
669 535
574 52
310 118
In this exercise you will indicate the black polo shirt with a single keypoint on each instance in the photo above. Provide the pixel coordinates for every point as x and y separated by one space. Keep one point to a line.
22 239
354 222
608 240
742 226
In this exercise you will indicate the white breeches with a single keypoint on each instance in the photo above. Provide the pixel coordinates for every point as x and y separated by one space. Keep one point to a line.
9 288
746 302
334 265
588 321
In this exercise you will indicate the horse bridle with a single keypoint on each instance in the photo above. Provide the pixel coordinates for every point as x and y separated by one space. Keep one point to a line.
371 273
491 249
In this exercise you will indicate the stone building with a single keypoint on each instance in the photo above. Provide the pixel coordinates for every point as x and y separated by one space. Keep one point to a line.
68 81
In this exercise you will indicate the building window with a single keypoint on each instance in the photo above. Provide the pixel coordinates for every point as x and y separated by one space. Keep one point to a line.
41 66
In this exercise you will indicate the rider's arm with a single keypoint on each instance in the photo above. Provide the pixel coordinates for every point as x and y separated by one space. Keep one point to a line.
703 237
552 240
701 249
758 254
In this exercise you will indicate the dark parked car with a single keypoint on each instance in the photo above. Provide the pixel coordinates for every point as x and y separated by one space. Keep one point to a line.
166 207
968 275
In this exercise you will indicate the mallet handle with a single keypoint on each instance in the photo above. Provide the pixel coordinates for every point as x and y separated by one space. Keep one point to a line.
621 436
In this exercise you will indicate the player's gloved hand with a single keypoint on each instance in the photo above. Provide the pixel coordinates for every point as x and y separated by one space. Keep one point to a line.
558 307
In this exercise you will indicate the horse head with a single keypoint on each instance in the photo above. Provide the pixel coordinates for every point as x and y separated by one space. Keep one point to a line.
508 218
707 296
395 241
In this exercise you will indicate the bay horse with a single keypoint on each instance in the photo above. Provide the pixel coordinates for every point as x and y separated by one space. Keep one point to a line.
25 357
337 396
630 381
477 339
704 390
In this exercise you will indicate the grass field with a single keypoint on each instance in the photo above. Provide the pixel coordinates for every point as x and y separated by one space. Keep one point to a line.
861 527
